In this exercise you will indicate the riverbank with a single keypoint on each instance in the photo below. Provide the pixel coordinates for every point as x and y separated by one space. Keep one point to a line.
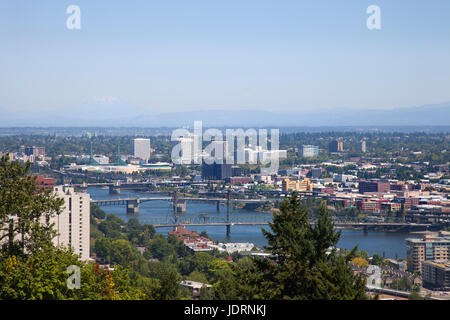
391 244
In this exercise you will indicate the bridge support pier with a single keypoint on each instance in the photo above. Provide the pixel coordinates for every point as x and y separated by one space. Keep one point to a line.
132 206
366 229
228 231
218 206
180 207
114 190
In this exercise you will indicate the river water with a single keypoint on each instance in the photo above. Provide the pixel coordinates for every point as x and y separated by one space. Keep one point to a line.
391 245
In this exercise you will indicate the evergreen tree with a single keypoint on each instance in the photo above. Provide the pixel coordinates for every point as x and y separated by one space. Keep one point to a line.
300 266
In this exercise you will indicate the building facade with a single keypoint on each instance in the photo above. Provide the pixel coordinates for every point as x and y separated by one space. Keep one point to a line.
141 148
73 223
296 185
35 151
216 171
374 186
44 183
436 275
309 151
426 249
336 146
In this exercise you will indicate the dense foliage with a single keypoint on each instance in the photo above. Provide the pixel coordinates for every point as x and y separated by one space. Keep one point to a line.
304 263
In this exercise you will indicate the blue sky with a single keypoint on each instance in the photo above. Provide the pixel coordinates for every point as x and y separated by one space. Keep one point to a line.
178 55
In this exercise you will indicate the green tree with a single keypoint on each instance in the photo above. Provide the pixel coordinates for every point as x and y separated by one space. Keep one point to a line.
25 211
160 248
169 281
97 212
197 276
300 267
42 275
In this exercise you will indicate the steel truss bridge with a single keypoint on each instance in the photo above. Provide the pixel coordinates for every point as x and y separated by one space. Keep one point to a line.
132 207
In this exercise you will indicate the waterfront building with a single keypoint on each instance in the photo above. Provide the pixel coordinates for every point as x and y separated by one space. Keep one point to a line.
426 249
126 169
141 148
368 206
238 180
436 275
296 185
308 151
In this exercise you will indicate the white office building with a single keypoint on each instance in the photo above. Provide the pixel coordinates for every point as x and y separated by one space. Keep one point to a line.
363 146
309 151
141 148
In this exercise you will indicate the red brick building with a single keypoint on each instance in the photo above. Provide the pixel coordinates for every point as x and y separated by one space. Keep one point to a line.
44 183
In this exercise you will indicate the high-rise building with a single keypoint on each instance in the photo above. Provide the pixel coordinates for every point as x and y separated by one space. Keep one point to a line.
216 171
141 148
73 223
426 249
336 146
309 151
363 146
35 151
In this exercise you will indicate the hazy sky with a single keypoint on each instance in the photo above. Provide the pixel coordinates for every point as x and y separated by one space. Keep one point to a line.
178 55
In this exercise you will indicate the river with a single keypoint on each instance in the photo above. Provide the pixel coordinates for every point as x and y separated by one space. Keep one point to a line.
388 244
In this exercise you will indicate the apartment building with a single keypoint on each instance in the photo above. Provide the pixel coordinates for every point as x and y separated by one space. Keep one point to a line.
72 224
426 249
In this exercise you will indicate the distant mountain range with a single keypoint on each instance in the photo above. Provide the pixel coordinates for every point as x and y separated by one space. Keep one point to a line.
117 114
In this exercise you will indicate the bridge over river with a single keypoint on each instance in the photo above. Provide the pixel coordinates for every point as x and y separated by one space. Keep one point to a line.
132 207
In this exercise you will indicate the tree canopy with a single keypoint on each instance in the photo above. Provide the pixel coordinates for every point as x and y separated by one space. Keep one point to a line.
304 264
